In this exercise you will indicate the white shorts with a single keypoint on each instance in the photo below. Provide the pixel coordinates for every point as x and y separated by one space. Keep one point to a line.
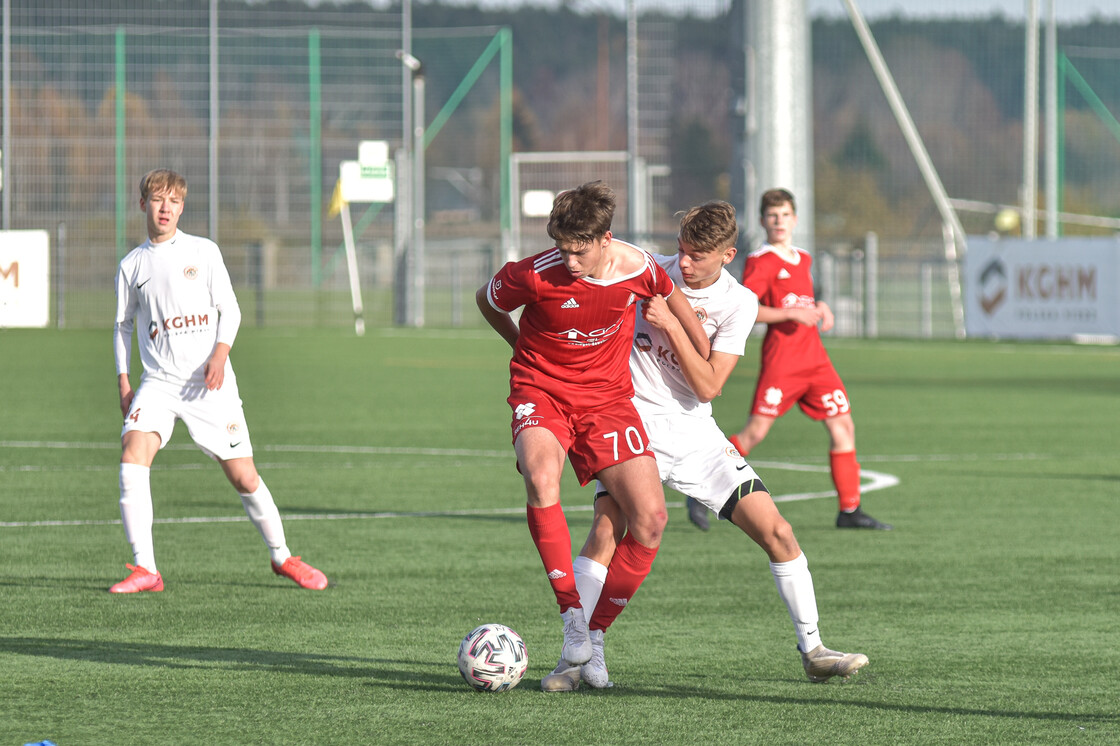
214 419
695 458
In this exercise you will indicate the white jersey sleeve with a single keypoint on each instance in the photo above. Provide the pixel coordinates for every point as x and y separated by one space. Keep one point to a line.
727 312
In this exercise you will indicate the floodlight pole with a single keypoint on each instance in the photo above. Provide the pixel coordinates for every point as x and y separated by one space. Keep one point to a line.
415 259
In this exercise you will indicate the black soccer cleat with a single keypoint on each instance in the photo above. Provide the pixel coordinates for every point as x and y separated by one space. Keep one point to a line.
697 513
858 519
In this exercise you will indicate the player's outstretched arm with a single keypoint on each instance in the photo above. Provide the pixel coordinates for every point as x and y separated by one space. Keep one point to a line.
771 315
501 321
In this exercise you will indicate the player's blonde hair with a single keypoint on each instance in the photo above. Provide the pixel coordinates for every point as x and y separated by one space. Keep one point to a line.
161 180
581 215
709 227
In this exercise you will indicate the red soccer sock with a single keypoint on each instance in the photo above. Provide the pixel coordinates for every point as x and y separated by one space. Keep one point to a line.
738 446
549 529
845 475
629 567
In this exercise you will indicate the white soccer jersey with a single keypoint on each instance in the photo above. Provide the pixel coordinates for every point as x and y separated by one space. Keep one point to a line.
180 295
726 309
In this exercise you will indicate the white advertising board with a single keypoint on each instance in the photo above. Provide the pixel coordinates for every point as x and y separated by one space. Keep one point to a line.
1042 289
25 278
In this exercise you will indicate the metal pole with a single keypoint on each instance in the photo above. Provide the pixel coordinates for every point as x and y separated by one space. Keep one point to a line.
214 120
1053 227
417 250
6 145
927 300
122 193
871 286
632 189
60 275
1030 124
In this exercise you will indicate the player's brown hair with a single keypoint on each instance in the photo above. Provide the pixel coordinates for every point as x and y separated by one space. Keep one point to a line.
581 215
709 227
775 197
160 180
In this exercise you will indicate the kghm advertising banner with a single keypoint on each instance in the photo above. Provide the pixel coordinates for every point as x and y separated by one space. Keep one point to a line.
1042 289
25 278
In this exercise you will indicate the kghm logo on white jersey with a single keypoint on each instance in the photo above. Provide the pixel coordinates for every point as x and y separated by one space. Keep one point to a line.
524 410
570 303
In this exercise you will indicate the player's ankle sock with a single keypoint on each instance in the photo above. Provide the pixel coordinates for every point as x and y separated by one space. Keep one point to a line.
629 567
845 476
795 586
590 576
738 446
137 514
264 514
549 529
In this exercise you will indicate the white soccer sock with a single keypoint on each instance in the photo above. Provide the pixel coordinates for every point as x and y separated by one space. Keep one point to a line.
795 586
137 514
590 576
265 516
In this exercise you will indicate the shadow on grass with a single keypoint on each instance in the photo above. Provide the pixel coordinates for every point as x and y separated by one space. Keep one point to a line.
430 676
192 657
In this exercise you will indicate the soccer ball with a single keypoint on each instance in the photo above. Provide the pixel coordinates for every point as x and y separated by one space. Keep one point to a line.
492 658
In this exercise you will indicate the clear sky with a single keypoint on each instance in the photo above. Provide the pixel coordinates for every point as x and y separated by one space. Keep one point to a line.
1067 11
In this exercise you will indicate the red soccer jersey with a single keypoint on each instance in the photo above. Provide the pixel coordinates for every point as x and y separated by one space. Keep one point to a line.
575 333
789 347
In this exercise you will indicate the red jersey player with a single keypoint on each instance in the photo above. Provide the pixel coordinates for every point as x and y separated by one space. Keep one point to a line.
570 390
795 367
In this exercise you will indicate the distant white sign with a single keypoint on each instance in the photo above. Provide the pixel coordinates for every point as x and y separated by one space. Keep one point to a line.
362 183
1042 289
25 278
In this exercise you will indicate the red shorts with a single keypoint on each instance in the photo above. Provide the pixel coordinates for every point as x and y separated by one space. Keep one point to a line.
593 438
820 393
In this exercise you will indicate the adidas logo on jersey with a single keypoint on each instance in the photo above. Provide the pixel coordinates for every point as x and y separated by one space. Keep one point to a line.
570 303
783 274
557 574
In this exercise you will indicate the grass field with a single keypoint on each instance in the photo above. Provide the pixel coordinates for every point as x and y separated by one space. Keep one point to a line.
989 613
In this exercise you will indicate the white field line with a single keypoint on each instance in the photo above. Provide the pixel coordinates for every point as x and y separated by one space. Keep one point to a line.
873 480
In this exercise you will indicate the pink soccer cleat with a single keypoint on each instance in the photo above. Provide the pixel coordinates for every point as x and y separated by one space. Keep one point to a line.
139 580
303 574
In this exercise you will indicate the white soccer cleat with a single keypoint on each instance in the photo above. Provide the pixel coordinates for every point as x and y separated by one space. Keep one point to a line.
594 672
564 678
821 664
577 645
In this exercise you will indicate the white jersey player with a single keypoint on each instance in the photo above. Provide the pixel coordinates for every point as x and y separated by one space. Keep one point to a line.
673 388
175 291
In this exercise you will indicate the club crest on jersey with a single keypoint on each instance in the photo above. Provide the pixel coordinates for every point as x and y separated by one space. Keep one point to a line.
190 273
233 428
701 314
